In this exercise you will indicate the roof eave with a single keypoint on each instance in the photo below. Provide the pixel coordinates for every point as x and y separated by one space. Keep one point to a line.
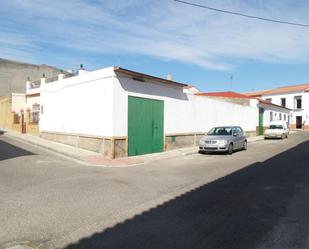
148 77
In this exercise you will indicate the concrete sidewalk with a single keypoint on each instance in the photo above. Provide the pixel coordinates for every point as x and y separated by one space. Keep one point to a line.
97 159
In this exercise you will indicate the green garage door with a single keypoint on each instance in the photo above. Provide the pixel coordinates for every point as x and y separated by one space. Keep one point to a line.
145 126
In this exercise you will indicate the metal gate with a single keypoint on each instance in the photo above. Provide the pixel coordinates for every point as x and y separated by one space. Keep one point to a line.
145 126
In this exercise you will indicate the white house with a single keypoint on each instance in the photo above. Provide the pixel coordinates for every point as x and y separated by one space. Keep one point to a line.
295 98
120 112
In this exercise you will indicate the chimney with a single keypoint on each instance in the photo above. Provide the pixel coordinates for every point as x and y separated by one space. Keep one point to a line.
43 80
169 77
81 70
61 75
28 84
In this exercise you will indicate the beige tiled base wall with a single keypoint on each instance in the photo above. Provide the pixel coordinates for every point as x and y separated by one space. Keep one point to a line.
115 147
176 141
109 146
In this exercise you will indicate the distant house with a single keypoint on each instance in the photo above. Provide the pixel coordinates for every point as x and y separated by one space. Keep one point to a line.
295 98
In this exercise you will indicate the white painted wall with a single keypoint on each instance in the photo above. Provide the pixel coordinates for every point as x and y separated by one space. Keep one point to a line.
81 104
182 112
304 112
96 103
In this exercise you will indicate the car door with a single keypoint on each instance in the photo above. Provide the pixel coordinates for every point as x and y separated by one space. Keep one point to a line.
242 137
236 138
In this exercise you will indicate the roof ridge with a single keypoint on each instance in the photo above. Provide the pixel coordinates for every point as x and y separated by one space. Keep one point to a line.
299 85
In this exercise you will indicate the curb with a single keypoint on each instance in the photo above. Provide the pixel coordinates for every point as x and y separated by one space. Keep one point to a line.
191 150
46 147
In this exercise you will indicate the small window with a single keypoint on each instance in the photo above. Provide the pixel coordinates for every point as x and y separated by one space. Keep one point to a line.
280 116
271 116
34 115
298 102
283 102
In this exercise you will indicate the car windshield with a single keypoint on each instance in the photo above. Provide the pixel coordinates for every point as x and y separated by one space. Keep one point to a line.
276 127
220 131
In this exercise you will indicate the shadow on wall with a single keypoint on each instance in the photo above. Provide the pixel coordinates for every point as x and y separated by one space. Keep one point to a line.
236 211
9 151
158 89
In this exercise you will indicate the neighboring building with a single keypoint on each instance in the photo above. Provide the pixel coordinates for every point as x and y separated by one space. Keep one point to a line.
33 91
295 98
13 74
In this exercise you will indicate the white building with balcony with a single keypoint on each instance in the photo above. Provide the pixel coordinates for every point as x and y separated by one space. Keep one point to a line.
295 98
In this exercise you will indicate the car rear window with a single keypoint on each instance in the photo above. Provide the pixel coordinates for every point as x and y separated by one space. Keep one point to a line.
276 127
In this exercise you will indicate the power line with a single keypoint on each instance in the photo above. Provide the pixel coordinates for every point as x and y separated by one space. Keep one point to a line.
241 14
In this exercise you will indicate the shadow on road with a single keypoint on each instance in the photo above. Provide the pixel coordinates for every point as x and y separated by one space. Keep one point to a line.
236 211
9 151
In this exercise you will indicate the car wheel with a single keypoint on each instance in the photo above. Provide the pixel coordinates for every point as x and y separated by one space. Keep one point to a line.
245 146
230 149
286 136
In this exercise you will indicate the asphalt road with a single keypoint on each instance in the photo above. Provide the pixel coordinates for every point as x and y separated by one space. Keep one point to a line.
251 199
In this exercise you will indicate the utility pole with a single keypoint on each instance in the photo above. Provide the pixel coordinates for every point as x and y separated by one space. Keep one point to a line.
231 82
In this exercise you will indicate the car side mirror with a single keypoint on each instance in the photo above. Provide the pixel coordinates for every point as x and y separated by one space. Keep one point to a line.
235 134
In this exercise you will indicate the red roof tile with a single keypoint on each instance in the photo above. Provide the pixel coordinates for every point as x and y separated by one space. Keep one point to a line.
287 89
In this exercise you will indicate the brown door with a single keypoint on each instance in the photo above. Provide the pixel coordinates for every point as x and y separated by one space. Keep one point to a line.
299 122
23 123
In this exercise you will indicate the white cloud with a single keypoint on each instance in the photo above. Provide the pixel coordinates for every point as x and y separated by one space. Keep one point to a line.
165 29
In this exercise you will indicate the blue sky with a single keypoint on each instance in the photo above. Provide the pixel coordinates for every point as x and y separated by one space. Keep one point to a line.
197 46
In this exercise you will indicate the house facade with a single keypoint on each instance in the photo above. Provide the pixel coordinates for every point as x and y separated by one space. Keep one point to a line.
295 98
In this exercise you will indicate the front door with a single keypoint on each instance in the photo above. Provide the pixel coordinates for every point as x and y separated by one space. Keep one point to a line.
299 122
23 123
145 126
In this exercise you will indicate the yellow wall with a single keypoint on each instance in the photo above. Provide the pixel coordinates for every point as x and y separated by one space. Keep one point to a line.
31 128
6 116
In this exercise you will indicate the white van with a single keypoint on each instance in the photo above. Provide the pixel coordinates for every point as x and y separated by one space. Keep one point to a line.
277 129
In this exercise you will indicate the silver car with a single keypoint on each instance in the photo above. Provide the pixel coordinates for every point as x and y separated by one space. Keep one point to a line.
224 138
